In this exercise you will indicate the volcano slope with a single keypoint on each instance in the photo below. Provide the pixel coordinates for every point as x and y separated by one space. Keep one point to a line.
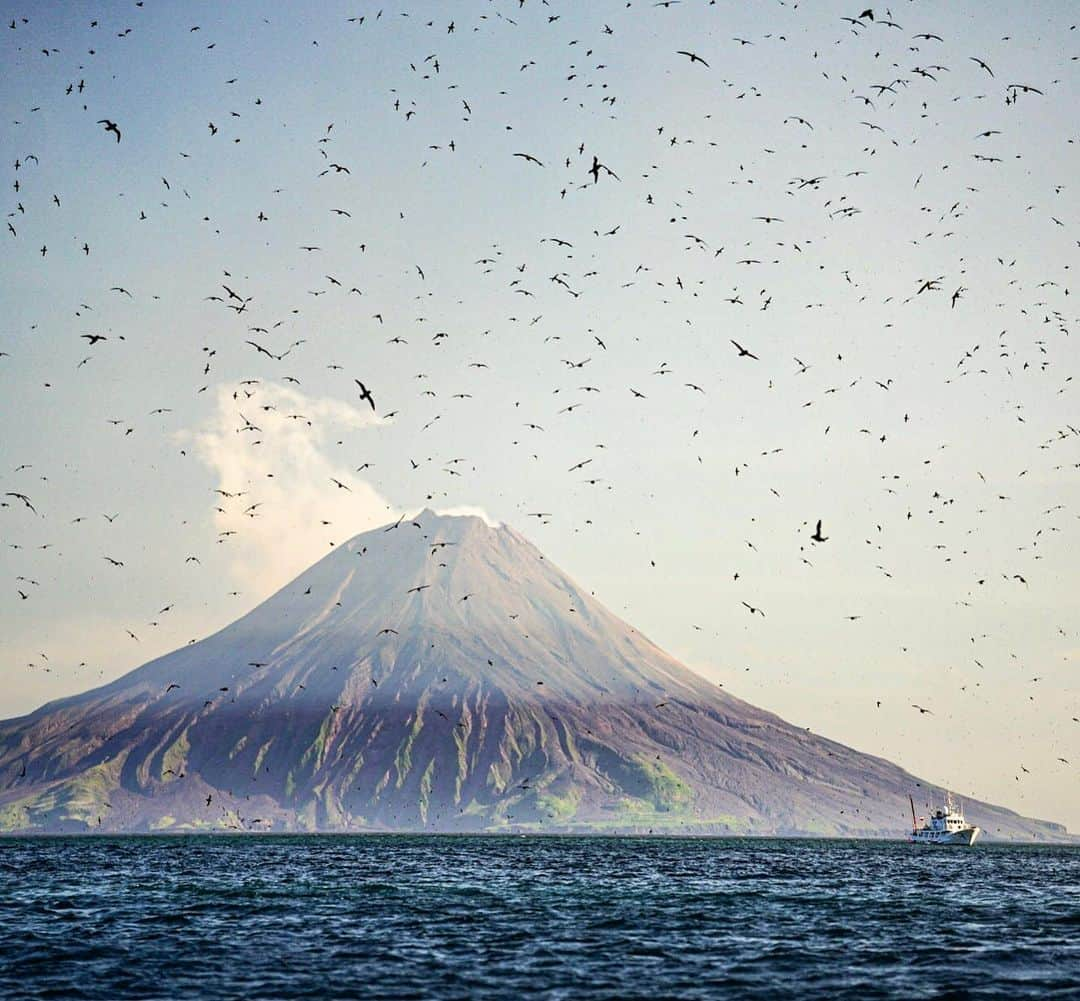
440 675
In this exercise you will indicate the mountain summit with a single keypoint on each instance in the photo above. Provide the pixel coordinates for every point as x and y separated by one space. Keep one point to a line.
440 674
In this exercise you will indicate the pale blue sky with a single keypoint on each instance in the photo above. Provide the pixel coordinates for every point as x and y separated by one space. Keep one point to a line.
978 448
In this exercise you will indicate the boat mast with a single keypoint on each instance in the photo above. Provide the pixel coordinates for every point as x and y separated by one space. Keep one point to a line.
914 822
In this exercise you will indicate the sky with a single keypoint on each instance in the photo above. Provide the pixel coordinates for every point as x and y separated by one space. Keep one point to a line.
304 198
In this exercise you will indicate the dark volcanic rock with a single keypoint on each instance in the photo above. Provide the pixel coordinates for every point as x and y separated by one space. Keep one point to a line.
498 696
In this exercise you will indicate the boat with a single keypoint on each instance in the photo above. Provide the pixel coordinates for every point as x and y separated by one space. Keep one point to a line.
946 826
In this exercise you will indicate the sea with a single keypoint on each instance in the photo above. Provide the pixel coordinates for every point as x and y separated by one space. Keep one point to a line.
464 917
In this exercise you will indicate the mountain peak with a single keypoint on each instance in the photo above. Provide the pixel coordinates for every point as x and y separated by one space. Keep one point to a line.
454 521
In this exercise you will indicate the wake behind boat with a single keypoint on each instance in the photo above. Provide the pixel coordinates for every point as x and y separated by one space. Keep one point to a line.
945 826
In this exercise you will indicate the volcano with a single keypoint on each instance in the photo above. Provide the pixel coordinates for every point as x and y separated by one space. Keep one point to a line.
441 675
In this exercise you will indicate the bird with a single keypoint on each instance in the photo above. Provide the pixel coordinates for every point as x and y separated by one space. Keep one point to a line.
744 352
365 393
922 711
692 56
110 126
817 536
530 158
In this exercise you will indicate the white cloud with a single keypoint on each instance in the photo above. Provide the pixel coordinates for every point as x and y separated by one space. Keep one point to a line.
464 510
267 445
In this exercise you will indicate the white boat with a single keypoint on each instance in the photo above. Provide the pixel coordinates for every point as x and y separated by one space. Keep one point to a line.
946 826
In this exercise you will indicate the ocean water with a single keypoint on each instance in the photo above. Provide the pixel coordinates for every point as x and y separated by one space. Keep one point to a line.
550 917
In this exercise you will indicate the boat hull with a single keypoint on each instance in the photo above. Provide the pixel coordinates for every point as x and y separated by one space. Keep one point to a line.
962 839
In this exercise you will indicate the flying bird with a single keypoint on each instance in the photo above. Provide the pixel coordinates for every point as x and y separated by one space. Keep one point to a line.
365 393
744 352
692 56
111 127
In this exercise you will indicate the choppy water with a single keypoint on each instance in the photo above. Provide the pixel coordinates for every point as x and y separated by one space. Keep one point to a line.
460 917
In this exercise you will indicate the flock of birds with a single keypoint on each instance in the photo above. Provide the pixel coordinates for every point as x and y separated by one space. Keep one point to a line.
643 246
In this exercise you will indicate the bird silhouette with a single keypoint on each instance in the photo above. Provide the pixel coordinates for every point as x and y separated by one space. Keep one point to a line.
744 352
365 393
692 56
110 127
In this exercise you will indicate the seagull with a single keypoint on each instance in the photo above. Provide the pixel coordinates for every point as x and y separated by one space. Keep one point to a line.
365 393
110 127
692 56
744 353
817 536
